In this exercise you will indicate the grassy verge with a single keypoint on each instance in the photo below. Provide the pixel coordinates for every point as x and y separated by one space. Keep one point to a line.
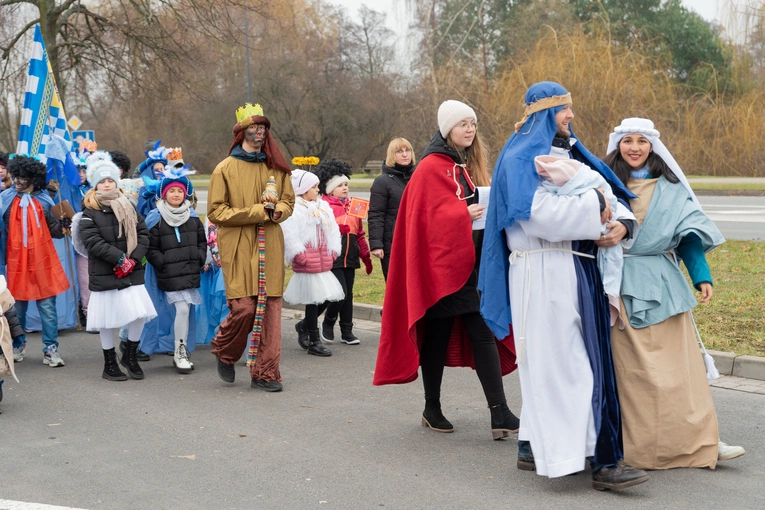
727 186
733 321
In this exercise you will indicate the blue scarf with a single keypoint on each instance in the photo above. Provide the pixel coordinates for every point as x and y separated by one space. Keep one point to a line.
42 197
251 157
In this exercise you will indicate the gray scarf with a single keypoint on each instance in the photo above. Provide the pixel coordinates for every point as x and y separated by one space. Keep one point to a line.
174 216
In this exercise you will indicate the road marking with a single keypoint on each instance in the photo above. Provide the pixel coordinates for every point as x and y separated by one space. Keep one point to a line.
6 504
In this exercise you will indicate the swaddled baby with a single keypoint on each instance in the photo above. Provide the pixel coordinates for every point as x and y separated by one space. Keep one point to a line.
572 178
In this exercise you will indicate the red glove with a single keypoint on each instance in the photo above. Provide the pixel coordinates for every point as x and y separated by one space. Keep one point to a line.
368 264
344 229
125 268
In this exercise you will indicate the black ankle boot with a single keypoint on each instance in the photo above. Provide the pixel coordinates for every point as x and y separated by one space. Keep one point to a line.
112 370
503 421
525 460
139 355
434 419
130 362
315 346
302 335
346 334
328 329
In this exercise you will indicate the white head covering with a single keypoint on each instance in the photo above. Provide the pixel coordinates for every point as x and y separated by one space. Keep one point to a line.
636 125
451 113
302 181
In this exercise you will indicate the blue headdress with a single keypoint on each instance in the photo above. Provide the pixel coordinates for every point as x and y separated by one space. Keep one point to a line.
157 155
514 184
173 175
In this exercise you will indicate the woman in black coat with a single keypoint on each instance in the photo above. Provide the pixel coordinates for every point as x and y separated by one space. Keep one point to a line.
385 198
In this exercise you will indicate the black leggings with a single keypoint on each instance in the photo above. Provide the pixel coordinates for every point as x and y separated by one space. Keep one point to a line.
485 355
346 276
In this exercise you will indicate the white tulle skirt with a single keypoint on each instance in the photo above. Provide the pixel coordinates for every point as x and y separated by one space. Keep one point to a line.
313 289
111 309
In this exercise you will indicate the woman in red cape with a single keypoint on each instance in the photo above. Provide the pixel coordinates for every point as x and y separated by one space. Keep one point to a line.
431 311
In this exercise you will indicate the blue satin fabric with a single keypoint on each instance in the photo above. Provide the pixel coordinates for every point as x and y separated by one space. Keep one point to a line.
596 331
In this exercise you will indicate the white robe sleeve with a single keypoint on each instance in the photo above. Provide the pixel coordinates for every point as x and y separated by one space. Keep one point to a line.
558 218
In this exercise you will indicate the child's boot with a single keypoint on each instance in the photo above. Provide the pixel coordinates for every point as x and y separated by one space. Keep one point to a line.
112 370
346 334
315 346
130 362
181 357
327 329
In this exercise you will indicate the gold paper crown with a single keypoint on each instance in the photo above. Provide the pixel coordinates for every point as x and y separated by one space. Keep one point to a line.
247 111
89 145
175 155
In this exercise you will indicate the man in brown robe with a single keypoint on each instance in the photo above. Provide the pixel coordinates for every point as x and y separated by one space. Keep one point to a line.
234 204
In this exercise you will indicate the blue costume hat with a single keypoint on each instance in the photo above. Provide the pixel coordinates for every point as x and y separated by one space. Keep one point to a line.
514 183
173 176
157 155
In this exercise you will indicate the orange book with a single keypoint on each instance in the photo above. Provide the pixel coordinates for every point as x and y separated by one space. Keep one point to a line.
358 208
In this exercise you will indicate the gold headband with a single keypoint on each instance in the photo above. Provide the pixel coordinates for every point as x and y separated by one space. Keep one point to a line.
543 104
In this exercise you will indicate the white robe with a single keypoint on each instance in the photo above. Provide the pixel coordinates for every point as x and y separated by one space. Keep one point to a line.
556 378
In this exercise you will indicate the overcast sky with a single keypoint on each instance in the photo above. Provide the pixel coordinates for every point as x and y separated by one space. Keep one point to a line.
396 15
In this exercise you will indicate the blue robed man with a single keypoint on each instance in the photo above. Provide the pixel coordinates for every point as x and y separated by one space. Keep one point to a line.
539 276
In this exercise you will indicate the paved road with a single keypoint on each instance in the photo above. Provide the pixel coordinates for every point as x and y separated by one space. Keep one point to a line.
330 440
740 218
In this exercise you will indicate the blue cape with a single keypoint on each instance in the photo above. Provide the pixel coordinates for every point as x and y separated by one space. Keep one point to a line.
514 183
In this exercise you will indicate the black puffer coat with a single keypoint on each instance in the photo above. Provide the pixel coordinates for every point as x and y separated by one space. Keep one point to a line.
384 201
98 231
177 264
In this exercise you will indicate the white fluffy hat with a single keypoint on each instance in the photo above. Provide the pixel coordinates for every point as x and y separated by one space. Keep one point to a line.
100 166
450 113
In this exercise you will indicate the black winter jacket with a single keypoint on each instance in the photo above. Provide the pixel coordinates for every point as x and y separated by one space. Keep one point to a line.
98 231
384 201
177 264
13 322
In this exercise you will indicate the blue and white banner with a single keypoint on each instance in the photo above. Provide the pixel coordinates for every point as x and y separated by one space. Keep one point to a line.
43 114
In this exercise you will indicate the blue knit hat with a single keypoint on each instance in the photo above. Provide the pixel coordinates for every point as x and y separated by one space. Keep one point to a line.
176 177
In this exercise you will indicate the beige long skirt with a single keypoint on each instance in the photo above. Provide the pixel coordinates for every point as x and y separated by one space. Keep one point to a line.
668 416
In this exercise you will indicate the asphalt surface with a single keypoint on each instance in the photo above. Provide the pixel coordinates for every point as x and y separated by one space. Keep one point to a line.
741 218
329 440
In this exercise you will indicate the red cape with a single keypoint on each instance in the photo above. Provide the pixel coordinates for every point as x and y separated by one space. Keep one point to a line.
432 256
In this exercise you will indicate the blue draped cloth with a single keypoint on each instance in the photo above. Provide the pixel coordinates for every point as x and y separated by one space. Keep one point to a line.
596 332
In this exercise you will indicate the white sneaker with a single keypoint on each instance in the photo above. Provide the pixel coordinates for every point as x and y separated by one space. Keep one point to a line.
725 452
18 353
181 358
52 358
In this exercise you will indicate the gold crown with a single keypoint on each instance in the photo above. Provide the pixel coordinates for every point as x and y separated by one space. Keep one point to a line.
89 145
176 154
247 111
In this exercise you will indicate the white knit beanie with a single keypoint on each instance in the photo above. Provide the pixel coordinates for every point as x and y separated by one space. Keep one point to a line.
451 113
100 166
303 181
334 183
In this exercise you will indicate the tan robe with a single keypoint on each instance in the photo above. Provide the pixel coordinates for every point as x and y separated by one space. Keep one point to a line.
668 416
233 203
6 343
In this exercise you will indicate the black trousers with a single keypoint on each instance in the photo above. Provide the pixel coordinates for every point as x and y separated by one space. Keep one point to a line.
485 354
346 276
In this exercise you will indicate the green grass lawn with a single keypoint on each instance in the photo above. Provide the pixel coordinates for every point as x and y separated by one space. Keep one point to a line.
733 321
735 318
